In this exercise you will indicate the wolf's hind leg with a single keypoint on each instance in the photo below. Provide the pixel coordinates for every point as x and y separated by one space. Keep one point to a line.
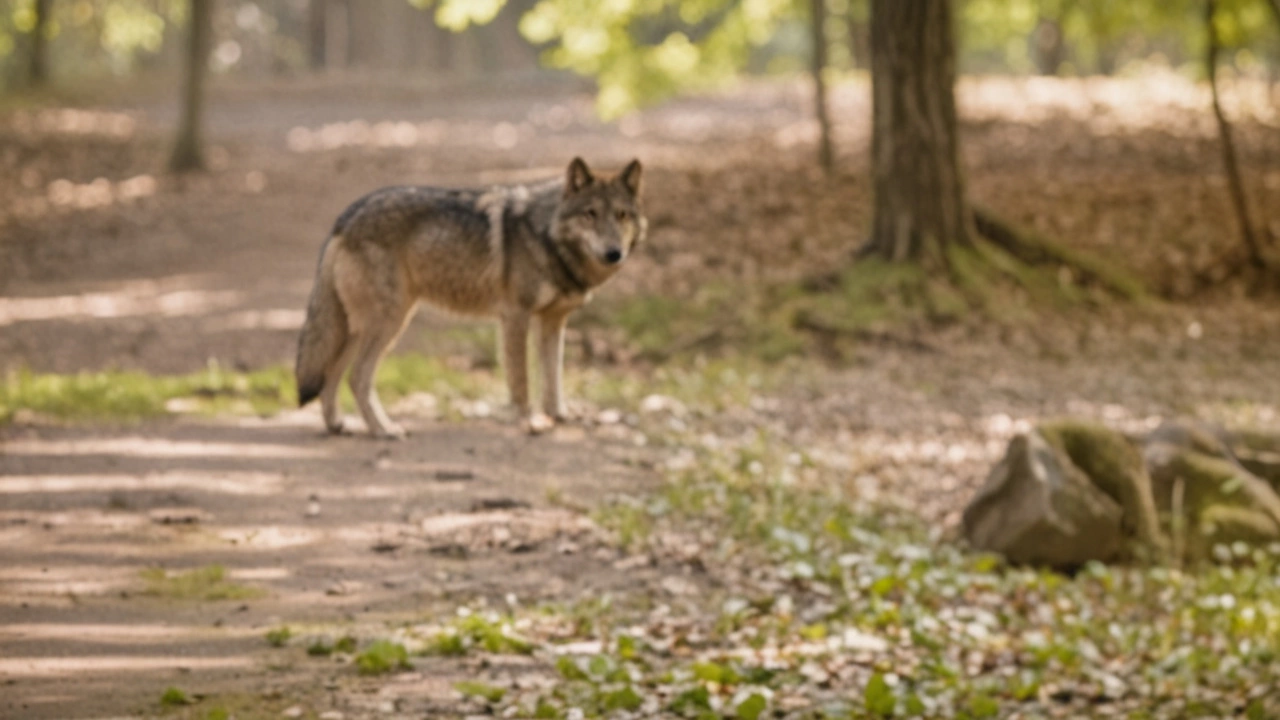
332 383
372 345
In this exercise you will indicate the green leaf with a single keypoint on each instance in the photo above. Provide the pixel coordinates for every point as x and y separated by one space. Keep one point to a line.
623 699
878 697
691 701
710 672
626 647
752 707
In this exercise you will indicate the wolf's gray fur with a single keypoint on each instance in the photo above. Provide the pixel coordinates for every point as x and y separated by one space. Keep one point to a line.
521 253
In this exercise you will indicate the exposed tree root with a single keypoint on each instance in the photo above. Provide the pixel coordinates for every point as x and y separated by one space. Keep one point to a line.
1033 249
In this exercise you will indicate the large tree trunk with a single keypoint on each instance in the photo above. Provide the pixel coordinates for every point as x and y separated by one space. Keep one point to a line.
1235 182
39 70
920 204
818 66
188 152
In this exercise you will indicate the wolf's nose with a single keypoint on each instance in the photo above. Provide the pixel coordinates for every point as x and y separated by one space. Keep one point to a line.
613 257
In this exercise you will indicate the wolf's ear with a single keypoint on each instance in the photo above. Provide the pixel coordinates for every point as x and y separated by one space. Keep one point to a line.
579 176
630 177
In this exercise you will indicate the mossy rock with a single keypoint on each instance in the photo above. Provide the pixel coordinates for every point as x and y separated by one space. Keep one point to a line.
1197 479
1259 453
1115 466
1229 524
1038 508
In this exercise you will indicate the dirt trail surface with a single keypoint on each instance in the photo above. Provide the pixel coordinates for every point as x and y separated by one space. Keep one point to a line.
341 531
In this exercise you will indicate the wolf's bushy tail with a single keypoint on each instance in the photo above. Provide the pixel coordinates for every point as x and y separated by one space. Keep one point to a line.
324 333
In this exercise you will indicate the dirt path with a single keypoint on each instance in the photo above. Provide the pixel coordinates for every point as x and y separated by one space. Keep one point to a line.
339 532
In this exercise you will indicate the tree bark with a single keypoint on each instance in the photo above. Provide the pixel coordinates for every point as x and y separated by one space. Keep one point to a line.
1235 183
39 70
818 18
188 151
921 209
317 33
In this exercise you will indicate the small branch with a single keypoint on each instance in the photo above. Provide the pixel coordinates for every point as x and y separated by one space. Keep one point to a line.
1235 182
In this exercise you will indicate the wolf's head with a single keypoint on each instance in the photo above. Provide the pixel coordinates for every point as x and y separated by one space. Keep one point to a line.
600 220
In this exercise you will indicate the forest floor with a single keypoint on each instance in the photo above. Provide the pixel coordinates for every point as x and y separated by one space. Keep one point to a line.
663 543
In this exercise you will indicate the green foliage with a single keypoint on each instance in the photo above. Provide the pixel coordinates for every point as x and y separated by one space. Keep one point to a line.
1102 36
487 633
205 583
383 657
174 697
278 637
488 693
641 51
110 35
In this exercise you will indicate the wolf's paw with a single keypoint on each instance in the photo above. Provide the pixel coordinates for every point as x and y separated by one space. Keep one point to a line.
539 423
390 432
338 428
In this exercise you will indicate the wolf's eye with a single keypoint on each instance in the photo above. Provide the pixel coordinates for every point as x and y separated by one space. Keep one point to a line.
622 215
590 213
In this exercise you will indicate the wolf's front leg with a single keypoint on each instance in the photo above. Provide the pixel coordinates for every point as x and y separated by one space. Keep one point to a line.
515 338
551 359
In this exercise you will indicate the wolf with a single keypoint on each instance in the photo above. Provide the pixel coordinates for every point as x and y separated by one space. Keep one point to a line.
519 253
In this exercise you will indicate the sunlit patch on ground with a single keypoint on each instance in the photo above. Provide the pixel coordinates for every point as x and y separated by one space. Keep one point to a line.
141 298
231 483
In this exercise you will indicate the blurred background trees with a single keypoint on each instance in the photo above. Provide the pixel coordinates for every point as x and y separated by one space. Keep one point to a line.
636 50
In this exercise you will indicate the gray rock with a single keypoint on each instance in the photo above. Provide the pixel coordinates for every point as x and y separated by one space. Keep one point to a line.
1038 508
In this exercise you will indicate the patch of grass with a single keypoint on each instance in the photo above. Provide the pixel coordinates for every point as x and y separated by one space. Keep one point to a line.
117 395
383 657
206 583
174 697
484 691
321 647
278 637
131 396
490 633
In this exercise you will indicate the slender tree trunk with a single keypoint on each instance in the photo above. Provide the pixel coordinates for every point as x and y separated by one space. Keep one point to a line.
1239 196
921 208
859 37
1050 46
317 33
188 151
39 70
818 18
